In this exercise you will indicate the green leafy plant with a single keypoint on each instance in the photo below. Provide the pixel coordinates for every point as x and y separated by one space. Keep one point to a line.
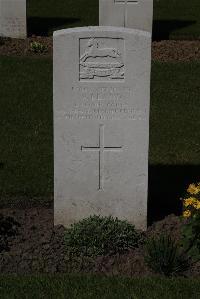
191 237
98 235
164 256
37 47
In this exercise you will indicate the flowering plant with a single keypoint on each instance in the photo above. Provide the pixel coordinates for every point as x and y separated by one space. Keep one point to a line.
191 204
191 230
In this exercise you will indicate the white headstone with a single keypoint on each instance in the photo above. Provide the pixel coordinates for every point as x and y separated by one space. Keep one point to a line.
136 14
101 123
13 18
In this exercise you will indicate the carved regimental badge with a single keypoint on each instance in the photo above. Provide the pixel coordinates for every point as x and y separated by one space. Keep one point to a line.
102 59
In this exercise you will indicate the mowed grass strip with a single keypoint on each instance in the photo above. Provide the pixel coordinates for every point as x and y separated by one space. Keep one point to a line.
26 135
175 114
46 16
177 19
26 116
173 19
90 287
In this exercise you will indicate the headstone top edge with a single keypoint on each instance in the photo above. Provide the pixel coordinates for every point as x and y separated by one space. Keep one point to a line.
101 29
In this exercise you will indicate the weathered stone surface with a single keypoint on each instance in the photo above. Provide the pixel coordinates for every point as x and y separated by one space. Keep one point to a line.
137 14
101 123
13 18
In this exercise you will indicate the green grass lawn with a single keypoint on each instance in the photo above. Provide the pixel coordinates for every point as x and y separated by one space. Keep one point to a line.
175 114
172 18
26 151
26 135
174 154
177 19
94 287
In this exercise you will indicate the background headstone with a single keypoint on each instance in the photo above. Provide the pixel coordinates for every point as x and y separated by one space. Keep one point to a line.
136 14
101 123
13 18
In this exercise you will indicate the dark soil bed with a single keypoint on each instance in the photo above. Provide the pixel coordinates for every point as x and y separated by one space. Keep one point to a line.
37 246
166 50
22 47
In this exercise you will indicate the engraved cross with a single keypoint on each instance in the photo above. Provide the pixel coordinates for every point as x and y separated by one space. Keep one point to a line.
126 2
101 148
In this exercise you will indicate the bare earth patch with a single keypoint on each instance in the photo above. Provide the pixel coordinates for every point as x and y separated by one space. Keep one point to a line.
166 50
38 247
176 50
22 47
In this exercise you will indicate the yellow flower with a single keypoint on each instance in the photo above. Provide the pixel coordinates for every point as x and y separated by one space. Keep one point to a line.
194 189
186 213
196 205
189 201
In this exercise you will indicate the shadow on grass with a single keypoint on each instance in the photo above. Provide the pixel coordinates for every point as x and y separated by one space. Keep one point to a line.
167 184
45 26
163 28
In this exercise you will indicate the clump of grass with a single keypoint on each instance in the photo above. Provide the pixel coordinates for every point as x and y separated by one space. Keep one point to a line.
165 257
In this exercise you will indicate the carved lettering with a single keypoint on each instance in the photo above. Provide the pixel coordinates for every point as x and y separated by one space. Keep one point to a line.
12 24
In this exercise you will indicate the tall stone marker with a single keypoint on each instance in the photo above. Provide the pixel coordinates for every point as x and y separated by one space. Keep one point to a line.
101 123
136 14
13 18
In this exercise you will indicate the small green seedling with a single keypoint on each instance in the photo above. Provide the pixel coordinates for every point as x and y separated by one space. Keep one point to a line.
37 47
